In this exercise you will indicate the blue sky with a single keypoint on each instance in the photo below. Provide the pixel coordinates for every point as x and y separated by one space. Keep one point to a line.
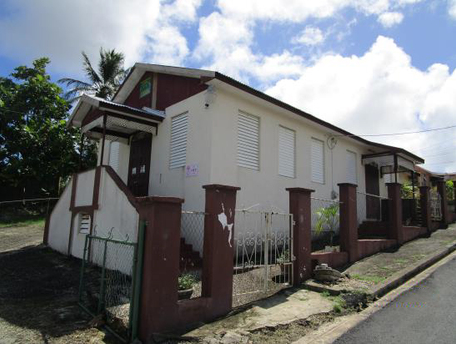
368 66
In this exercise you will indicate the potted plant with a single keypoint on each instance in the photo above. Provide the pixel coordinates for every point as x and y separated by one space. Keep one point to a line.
282 260
185 286
328 218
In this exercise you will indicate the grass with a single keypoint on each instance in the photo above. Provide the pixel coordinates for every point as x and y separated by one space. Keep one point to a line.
22 222
338 302
374 279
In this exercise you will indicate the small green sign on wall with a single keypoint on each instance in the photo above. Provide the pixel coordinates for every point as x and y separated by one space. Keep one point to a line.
145 87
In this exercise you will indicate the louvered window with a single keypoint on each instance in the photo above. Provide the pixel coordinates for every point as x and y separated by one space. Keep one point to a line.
351 168
114 156
248 146
178 151
287 152
318 161
84 223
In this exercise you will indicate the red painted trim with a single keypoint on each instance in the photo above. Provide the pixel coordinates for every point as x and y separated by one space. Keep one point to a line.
122 186
221 187
158 199
304 190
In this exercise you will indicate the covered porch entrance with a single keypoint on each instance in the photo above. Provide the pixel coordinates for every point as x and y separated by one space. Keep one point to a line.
374 205
125 136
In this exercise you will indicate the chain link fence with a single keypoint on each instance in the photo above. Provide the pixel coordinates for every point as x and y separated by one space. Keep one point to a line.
25 210
325 224
106 284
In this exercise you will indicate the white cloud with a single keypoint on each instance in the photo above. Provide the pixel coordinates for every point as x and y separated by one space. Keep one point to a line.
452 8
226 43
389 19
144 30
379 92
309 36
298 10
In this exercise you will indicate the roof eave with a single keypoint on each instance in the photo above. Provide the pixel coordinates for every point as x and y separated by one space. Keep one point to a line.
310 117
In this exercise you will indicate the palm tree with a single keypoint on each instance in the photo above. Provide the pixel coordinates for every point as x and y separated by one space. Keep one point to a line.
103 82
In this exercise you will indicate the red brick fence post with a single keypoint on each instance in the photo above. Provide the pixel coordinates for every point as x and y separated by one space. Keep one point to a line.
159 308
348 221
300 207
158 300
425 203
218 252
395 230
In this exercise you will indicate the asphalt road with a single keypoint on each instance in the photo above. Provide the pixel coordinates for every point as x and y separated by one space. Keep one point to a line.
424 314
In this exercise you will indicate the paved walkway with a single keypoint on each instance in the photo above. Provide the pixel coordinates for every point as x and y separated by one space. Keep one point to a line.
281 309
424 314
379 267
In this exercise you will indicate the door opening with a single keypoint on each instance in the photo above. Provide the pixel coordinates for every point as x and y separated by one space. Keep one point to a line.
139 165
372 187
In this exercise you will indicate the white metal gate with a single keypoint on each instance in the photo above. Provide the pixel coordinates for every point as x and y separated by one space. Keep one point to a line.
263 244
436 206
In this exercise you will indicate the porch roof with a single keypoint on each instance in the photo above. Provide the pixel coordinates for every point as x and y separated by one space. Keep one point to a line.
392 161
118 121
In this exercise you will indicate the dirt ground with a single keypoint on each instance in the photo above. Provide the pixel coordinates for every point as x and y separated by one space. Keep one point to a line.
19 236
38 292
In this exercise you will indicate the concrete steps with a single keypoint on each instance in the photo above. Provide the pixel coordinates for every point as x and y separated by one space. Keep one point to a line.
189 258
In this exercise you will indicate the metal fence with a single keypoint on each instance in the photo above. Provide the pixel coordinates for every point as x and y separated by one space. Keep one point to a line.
371 207
107 284
436 205
324 223
192 229
263 244
21 210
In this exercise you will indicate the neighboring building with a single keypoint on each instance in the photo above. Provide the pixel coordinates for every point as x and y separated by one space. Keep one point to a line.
168 131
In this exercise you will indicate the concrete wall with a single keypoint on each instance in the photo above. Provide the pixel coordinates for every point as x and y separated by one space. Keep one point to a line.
266 186
173 182
115 216
60 222
115 212
84 190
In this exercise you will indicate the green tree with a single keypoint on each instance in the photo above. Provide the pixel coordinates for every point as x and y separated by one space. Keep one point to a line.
37 150
103 82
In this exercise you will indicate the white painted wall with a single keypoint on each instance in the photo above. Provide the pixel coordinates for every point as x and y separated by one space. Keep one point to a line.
115 217
115 212
266 186
84 188
60 222
173 182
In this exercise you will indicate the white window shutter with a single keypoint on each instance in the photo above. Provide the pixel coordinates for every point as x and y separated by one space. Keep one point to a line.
84 223
351 168
318 161
248 147
178 150
287 145
114 156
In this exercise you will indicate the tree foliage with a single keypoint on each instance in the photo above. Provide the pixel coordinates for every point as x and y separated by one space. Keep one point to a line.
103 82
37 149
